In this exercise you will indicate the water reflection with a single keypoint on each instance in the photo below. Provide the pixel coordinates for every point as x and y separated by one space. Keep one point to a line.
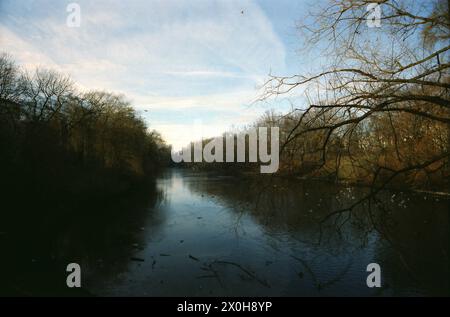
100 234
193 234
214 235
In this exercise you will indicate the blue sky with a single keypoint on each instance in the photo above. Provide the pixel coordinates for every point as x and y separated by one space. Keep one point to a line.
184 62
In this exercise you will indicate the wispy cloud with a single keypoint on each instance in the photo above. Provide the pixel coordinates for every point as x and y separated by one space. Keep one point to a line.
169 54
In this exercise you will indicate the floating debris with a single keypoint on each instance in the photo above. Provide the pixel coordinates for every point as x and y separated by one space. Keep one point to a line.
246 271
137 259
193 258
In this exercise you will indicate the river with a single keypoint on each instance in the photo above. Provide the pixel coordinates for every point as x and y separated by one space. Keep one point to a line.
210 235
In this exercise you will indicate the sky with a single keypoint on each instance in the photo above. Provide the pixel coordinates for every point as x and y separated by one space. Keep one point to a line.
190 68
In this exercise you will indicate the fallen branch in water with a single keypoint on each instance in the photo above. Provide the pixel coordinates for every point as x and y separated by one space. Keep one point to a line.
321 285
193 258
262 282
215 274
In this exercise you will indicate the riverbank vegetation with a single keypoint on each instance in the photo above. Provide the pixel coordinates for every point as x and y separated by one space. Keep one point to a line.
377 111
68 159
55 136
60 146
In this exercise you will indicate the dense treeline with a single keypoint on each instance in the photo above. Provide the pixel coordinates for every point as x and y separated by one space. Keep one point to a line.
383 145
379 107
395 141
56 141
72 164
378 110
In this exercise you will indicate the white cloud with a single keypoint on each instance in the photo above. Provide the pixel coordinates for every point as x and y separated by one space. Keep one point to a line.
29 56
161 54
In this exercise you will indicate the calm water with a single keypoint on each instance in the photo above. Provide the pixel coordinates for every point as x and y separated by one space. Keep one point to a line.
209 235
191 234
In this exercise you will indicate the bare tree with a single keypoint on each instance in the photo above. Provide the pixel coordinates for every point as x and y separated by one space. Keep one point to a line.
44 93
397 71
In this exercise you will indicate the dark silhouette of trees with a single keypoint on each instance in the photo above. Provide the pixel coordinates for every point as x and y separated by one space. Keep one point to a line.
56 140
67 159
